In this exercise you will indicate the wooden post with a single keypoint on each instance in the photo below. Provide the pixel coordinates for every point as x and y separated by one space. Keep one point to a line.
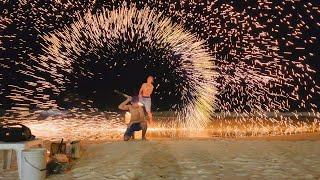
75 149
7 156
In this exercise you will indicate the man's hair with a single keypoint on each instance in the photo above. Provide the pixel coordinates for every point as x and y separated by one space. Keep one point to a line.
135 99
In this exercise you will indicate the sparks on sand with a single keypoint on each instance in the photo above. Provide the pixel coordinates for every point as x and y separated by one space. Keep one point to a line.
91 129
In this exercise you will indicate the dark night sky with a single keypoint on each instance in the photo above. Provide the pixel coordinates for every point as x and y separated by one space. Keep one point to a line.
24 25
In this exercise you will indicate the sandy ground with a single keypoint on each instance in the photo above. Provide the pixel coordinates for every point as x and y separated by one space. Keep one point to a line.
282 157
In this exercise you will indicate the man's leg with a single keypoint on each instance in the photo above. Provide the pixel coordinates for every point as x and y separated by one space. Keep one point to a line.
128 134
148 109
126 138
144 127
150 117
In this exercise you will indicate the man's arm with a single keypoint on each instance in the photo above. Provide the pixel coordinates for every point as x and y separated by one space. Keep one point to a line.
124 106
152 89
141 89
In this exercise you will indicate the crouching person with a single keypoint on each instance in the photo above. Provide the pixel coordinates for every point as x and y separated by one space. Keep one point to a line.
137 121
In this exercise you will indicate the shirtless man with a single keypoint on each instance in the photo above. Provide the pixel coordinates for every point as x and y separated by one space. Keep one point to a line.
137 121
145 96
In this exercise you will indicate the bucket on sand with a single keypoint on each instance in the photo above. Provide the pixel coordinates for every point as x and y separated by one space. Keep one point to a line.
34 164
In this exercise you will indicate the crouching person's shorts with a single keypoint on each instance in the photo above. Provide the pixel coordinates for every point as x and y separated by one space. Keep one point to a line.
134 127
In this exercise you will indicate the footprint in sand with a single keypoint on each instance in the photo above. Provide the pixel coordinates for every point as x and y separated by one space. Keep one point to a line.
159 164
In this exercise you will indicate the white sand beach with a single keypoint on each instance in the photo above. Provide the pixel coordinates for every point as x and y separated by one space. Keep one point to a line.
281 157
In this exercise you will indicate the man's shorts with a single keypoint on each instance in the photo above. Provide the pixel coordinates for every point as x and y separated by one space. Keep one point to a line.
146 101
134 127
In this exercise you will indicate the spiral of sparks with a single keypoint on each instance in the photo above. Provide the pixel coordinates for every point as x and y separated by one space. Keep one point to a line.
108 27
